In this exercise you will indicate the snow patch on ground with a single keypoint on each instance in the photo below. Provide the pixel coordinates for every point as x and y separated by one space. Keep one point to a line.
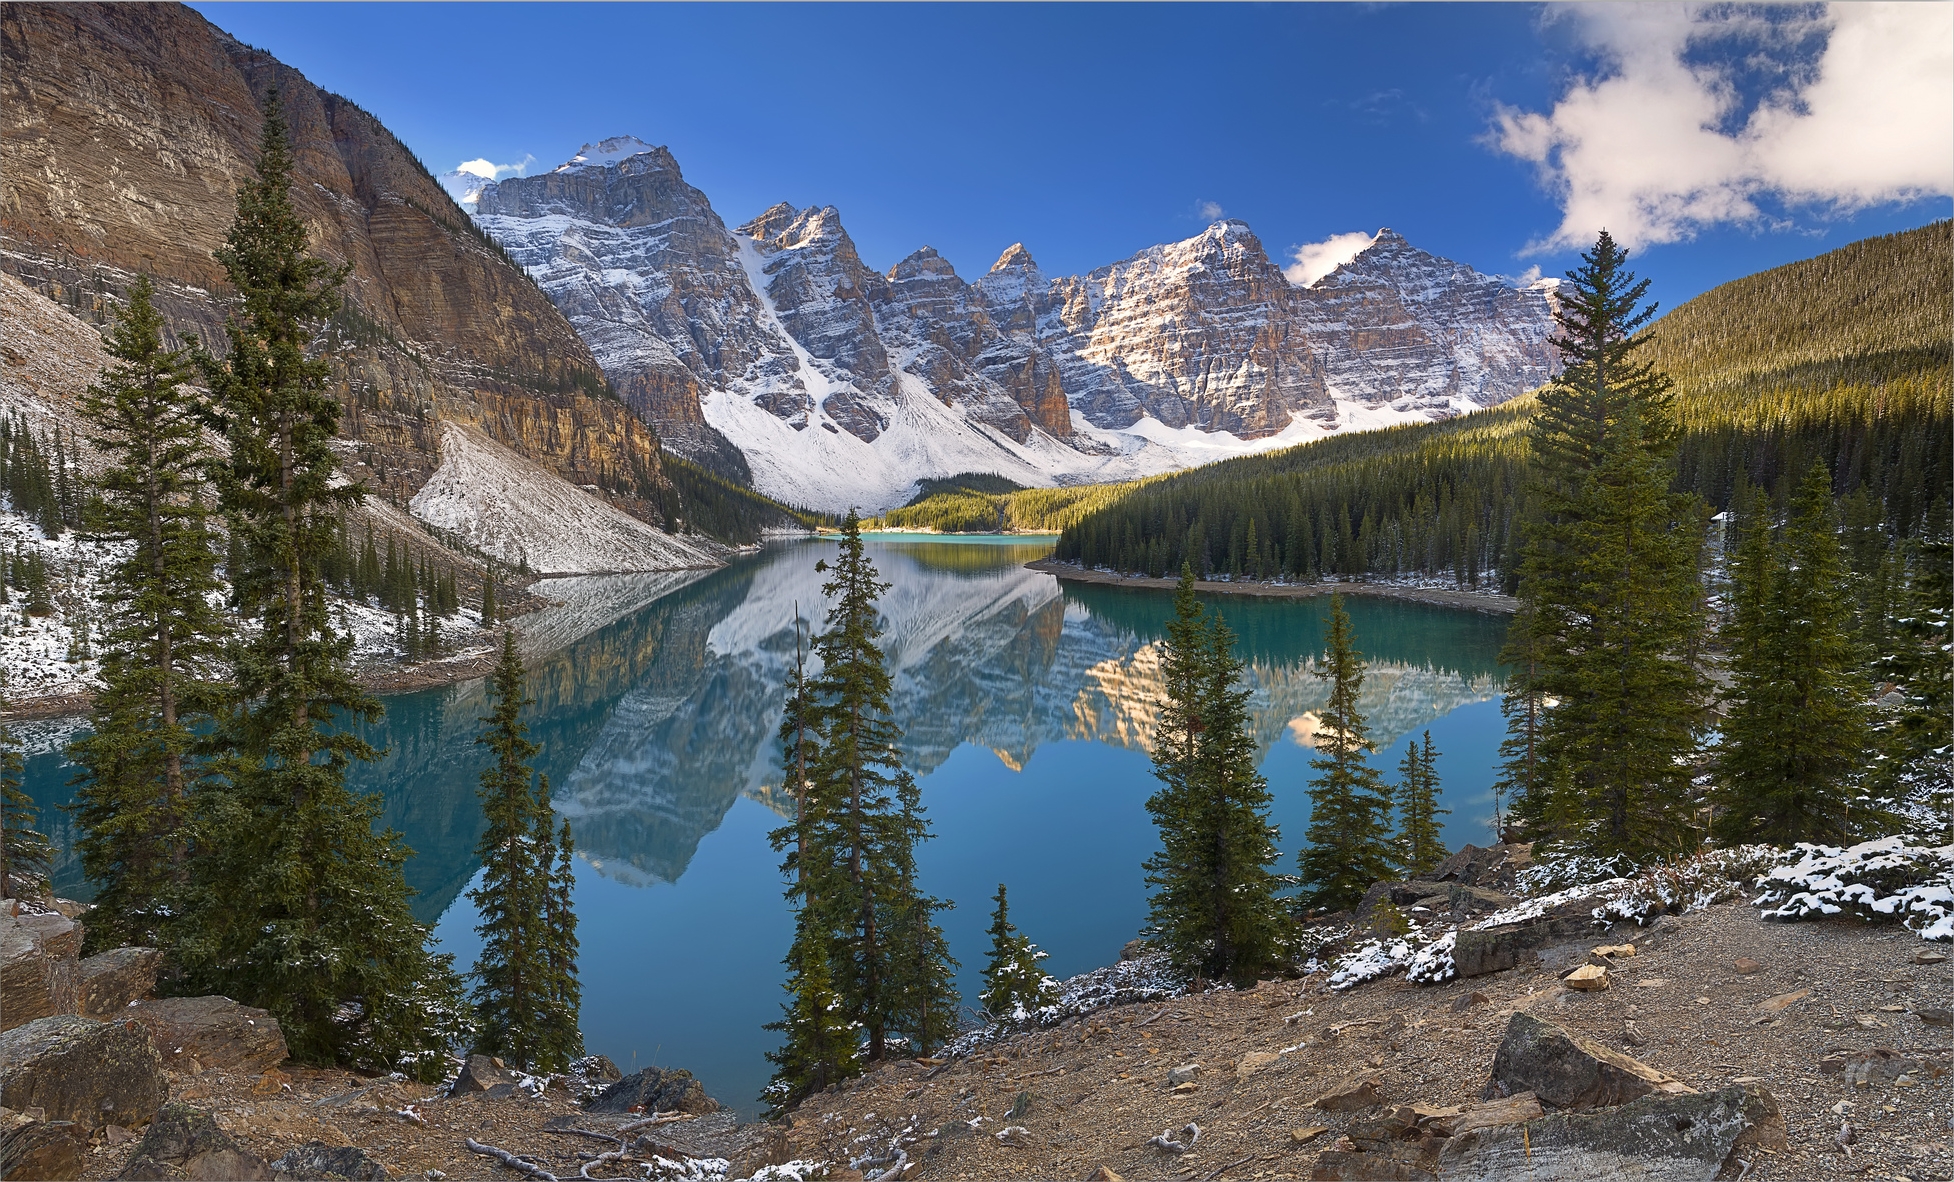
516 510
1877 880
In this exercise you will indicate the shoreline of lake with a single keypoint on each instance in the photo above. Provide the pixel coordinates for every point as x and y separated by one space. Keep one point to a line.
1479 601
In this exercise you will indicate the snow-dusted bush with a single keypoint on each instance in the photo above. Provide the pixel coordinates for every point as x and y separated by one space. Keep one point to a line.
1374 959
1558 874
1882 880
1145 978
1671 888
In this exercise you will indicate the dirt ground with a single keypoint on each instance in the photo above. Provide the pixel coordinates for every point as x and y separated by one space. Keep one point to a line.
1097 1090
1091 1093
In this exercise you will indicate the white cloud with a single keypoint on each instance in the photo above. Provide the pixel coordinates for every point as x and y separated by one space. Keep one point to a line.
489 171
1314 260
1656 144
1209 211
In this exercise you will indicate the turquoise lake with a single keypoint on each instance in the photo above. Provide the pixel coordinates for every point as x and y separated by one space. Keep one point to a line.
1028 706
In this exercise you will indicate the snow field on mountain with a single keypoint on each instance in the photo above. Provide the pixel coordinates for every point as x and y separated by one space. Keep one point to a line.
517 510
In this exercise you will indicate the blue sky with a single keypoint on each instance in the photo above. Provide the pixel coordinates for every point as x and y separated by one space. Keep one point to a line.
1720 142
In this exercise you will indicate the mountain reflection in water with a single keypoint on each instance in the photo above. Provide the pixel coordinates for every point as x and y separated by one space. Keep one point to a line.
653 726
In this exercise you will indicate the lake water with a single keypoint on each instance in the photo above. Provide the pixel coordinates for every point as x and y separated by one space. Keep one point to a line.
1028 707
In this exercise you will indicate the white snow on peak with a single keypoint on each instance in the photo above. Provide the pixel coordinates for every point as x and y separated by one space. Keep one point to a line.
610 151
465 186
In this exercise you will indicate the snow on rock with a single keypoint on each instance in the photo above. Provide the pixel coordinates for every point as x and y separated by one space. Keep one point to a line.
609 151
518 511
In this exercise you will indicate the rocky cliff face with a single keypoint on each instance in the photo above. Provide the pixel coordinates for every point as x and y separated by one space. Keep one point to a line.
128 129
774 344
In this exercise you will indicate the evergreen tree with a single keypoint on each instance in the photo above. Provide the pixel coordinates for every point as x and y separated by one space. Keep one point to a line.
1609 579
165 643
489 607
526 974
295 904
1421 846
1015 988
1919 768
562 1036
821 1044
888 958
25 854
1350 806
1796 737
1214 906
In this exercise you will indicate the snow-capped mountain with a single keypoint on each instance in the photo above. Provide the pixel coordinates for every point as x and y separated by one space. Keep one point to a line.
772 352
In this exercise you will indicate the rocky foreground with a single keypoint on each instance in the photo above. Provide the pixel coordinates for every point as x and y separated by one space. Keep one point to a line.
1709 1044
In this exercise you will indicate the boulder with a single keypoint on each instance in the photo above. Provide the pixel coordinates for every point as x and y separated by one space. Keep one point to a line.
316 1161
39 953
1512 1110
1452 898
31 1148
78 1069
1658 1138
1476 952
481 1074
211 1033
1351 1096
113 979
1566 1070
1588 978
1493 867
186 1143
655 1089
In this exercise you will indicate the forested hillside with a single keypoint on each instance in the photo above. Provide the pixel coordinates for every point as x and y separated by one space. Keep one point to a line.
979 502
1844 357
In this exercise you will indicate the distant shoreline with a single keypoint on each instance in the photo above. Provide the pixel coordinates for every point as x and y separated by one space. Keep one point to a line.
1479 601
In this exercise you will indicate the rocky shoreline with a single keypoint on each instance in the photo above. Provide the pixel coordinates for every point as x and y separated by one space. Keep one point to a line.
1479 601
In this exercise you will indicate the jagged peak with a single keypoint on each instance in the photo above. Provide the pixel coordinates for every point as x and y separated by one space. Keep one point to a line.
922 261
1015 255
608 151
772 220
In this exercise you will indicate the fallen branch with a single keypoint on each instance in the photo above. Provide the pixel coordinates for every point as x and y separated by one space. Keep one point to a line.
1149 1021
894 1171
600 1159
1231 1165
520 1165
659 1118
587 1133
1166 1140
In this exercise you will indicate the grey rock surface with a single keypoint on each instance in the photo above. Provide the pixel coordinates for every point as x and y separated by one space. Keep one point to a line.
1567 1070
315 1161
655 1089
78 1069
39 973
186 1142
112 979
1653 1139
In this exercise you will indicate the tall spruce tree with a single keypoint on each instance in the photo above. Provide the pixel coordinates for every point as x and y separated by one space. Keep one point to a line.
1918 773
1608 582
1420 844
294 903
526 992
1795 741
1349 837
562 1041
1015 988
162 675
26 855
1214 907
820 1041
888 959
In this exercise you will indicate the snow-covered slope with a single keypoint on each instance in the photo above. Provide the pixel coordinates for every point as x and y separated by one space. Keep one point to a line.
773 348
520 512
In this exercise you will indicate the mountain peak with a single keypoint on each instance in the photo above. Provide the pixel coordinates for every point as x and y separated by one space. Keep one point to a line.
1015 255
607 151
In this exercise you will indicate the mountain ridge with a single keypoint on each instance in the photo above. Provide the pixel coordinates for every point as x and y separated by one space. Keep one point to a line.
1182 353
